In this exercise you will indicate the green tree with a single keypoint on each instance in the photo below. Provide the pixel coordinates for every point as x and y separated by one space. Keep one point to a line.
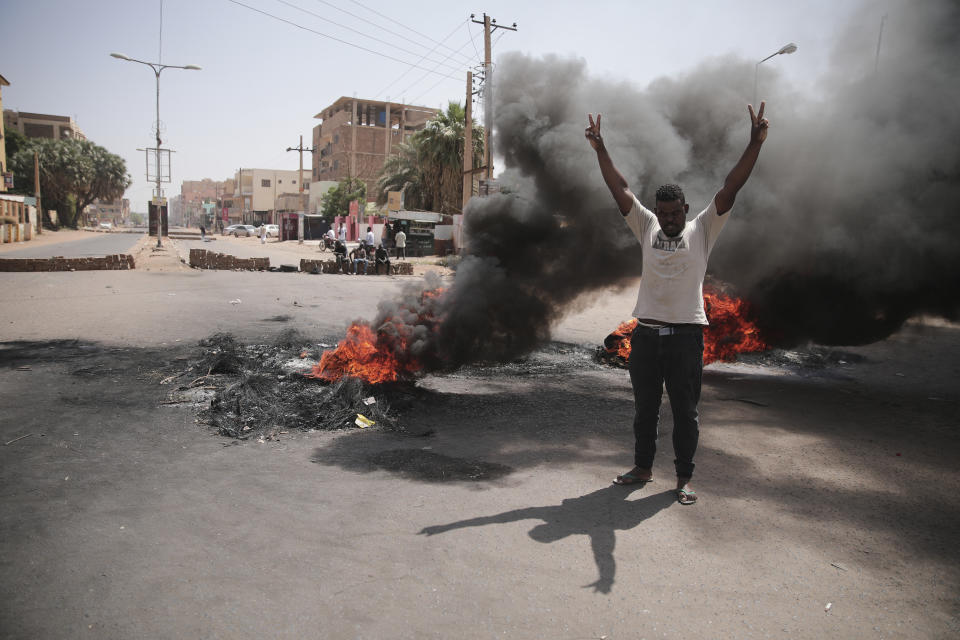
337 200
429 168
401 172
73 173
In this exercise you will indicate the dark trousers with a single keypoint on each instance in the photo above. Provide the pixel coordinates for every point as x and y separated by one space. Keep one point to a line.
677 360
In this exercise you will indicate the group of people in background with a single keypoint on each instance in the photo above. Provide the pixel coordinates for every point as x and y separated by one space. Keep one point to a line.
365 252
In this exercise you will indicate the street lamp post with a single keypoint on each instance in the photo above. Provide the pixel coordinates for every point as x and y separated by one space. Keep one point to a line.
157 68
787 48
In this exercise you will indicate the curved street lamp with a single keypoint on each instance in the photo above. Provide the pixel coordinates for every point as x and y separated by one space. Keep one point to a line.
787 48
157 68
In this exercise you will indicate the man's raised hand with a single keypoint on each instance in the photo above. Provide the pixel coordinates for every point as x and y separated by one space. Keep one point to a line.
593 133
758 124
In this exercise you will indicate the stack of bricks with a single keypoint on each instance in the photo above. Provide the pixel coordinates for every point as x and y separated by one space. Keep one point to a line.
203 259
330 266
318 266
59 263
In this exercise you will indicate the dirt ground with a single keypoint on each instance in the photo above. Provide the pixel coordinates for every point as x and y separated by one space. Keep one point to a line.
827 479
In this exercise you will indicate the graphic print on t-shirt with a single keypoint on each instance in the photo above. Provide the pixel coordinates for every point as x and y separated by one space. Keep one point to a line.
663 243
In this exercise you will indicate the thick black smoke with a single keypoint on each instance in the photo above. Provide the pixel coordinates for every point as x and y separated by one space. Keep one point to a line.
848 226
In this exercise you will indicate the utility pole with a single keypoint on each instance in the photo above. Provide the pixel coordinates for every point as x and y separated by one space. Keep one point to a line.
301 150
36 190
468 144
303 205
489 25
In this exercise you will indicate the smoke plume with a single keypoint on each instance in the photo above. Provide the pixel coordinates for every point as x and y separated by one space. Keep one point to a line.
847 227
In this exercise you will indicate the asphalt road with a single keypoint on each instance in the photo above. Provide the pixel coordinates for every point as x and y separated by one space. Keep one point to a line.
828 493
97 244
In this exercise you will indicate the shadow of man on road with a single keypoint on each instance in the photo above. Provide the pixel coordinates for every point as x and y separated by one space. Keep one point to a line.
598 515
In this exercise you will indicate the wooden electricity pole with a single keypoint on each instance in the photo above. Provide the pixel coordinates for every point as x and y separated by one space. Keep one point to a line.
468 144
489 25
36 190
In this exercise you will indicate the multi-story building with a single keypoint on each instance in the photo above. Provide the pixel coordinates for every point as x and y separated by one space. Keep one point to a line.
256 192
356 136
116 212
194 194
42 125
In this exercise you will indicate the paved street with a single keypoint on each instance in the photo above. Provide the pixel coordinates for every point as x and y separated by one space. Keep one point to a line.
123 517
90 244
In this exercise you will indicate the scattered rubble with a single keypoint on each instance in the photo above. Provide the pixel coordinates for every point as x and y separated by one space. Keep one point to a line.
259 391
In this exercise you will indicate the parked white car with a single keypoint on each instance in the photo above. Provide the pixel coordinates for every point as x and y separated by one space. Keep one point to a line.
273 230
243 230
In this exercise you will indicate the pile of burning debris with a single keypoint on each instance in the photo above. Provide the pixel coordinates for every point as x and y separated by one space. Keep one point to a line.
731 332
262 391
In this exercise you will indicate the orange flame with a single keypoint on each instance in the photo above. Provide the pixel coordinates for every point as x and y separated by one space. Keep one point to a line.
730 331
377 357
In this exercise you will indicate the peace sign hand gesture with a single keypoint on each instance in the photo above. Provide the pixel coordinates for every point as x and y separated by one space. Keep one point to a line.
758 124
593 133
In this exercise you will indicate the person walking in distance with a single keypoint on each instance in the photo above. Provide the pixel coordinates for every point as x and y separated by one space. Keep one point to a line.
401 241
667 344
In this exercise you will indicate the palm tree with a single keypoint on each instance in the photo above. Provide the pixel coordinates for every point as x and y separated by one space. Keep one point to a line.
401 172
429 168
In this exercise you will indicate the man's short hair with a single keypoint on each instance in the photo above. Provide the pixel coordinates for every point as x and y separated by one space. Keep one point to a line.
669 193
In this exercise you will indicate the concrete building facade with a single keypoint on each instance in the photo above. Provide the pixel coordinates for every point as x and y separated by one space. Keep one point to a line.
194 194
355 137
116 212
42 125
256 193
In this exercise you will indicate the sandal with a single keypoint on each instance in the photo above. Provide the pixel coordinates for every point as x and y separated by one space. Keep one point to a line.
686 496
631 478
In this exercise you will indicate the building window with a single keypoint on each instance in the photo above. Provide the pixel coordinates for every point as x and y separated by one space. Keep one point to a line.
264 183
294 182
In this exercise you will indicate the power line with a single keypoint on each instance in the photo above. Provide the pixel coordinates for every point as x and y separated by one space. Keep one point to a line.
343 26
398 22
474 43
349 44
416 82
398 78
400 35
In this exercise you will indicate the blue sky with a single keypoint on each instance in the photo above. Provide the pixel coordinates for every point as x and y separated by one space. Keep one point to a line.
263 80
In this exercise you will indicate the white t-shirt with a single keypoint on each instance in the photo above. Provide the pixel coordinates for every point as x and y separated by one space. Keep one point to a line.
671 287
370 237
401 239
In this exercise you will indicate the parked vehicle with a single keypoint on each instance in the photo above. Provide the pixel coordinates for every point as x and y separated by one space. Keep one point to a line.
244 230
273 230
229 230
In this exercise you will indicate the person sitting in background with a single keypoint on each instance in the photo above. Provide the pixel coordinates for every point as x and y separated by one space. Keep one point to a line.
382 259
340 253
359 257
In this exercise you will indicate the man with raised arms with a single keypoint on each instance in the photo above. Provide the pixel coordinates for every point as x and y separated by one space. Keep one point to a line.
667 344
